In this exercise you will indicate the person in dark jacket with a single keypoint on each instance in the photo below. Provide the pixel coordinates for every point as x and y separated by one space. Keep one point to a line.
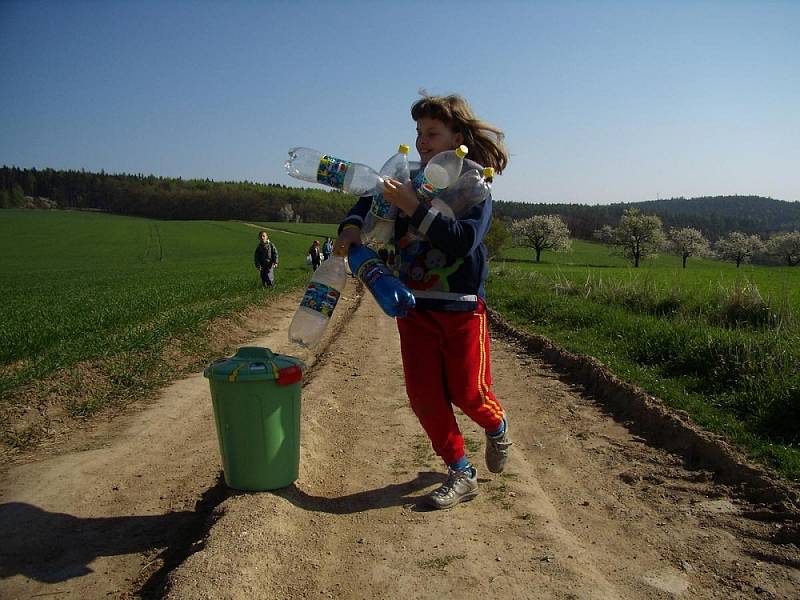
316 255
266 259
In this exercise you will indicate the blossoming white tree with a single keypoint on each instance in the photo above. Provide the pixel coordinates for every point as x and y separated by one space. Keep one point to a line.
542 232
786 246
688 241
739 247
638 236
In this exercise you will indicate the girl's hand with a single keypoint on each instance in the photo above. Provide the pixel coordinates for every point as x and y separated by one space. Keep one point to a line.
349 235
402 195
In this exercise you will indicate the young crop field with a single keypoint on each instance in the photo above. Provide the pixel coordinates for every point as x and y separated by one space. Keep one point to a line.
88 286
721 343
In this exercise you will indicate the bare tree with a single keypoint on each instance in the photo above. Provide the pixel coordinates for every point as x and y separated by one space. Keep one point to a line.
638 236
286 213
542 232
739 247
688 241
786 246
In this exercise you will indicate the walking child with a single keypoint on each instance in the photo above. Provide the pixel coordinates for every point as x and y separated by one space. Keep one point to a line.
444 340
327 248
315 254
266 259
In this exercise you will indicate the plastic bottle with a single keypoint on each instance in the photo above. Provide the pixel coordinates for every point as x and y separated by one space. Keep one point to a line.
311 165
315 310
441 171
379 224
473 187
391 294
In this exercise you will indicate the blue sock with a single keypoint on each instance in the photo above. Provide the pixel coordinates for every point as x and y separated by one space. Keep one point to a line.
462 464
499 432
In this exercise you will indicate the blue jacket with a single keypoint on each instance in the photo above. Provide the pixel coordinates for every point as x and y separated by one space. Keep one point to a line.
443 260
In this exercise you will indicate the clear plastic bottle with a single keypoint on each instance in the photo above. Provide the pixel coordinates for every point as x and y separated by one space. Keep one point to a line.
379 224
441 171
389 292
473 187
311 165
322 294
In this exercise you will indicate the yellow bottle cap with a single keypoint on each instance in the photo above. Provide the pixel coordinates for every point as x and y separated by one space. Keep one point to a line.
461 151
403 149
488 172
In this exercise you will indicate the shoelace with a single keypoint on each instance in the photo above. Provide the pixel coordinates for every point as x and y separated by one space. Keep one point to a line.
501 444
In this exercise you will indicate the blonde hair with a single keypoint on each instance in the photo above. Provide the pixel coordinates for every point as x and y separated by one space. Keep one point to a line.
485 141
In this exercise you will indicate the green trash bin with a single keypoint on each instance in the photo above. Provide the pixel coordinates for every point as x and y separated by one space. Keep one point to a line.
256 399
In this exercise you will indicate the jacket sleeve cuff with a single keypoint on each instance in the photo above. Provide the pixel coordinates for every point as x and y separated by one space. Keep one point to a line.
353 221
356 214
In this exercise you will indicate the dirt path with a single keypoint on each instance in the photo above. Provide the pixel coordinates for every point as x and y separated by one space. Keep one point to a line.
585 509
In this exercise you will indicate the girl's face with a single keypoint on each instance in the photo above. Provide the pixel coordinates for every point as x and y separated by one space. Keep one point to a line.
433 136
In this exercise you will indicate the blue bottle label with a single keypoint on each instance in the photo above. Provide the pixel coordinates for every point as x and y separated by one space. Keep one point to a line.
380 207
321 298
331 171
371 271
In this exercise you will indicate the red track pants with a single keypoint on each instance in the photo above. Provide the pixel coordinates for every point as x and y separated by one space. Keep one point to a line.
446 363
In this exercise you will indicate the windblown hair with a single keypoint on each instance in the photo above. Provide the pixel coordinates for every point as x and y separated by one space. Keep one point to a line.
485 141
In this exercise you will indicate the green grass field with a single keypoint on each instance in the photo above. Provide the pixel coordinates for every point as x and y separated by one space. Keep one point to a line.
718 342
80 286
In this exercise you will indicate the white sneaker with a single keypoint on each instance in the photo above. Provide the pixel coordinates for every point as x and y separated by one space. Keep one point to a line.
497 451
460 486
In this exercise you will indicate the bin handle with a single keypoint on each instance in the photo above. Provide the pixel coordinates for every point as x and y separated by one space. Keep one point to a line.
255 353
264 366
235 373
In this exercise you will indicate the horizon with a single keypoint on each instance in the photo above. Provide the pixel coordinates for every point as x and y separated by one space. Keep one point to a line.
309 187
608 103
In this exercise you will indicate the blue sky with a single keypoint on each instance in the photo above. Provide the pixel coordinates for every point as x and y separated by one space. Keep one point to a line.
600 101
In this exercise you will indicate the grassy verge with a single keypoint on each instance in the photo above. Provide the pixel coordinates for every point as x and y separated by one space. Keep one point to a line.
94 305
715 348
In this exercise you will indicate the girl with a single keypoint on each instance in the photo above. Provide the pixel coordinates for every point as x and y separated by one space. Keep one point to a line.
444 340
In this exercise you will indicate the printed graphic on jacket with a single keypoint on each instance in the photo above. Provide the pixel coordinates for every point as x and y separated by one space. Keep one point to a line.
423 267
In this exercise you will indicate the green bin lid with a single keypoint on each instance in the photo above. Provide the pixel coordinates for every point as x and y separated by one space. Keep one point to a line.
252 363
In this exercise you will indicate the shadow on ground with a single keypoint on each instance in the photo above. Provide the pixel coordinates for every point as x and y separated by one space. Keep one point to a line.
51 547
397 494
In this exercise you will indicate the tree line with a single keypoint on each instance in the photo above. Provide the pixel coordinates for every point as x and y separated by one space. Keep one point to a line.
714 216
176 198
170 198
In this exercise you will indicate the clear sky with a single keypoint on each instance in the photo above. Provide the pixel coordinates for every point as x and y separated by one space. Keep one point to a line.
600 101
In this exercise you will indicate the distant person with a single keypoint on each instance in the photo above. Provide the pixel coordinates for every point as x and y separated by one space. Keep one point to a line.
327 248
266 259
315 254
